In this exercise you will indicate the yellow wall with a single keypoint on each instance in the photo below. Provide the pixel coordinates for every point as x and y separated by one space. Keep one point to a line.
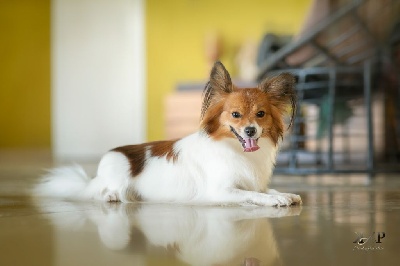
24 73
176 31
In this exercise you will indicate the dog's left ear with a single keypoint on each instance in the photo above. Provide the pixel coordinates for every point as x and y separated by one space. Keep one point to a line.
282 92
220 83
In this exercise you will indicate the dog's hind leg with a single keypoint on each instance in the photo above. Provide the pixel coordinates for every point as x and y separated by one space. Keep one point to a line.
112 180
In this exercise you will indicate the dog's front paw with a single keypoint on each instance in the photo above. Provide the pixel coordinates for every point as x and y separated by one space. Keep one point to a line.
271 200
281 200
296 199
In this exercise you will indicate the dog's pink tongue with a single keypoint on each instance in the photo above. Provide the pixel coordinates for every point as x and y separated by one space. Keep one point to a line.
250 145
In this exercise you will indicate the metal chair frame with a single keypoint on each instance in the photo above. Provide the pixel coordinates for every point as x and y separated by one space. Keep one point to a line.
358 58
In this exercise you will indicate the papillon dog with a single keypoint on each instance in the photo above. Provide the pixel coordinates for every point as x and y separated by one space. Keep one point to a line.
228 161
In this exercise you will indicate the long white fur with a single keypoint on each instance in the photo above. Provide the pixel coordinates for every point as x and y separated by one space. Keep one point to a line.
207 171
64 182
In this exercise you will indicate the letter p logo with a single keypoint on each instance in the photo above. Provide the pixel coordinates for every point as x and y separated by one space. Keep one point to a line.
380 236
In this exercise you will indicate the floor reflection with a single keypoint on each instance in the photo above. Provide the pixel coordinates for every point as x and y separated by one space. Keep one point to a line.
332 220
192 235
337 210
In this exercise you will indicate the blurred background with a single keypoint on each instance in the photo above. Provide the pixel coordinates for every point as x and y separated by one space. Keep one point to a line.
69 53
79 77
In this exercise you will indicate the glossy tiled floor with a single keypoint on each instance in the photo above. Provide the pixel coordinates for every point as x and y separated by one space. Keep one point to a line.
337 211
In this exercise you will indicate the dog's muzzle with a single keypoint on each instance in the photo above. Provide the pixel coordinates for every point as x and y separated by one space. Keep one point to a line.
248 144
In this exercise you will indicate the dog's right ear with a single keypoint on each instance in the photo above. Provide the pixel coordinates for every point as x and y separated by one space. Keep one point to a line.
220 83
220 80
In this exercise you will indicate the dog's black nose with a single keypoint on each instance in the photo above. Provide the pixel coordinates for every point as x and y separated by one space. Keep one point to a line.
250 131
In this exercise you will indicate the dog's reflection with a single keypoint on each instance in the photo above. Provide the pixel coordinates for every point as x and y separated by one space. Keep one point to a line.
195 235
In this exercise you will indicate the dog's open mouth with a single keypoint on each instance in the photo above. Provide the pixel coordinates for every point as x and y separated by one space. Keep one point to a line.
248 144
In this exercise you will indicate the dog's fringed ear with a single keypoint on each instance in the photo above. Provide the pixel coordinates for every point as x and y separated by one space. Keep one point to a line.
220 79
282 91
220 82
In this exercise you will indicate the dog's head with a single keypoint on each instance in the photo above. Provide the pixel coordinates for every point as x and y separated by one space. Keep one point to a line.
246 114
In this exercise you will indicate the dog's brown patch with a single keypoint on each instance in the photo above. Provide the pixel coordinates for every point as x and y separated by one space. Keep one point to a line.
136 154
164 148
210 122
275 132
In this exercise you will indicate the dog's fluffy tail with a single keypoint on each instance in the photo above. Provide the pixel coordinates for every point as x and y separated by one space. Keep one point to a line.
64 182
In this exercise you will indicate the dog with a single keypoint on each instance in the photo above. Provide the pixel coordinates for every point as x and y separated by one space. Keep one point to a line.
228 161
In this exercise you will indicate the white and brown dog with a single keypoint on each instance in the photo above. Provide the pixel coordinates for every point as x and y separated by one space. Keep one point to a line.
229 160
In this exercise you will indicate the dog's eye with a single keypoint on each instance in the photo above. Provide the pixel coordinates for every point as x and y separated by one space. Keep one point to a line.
236 115
261 114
